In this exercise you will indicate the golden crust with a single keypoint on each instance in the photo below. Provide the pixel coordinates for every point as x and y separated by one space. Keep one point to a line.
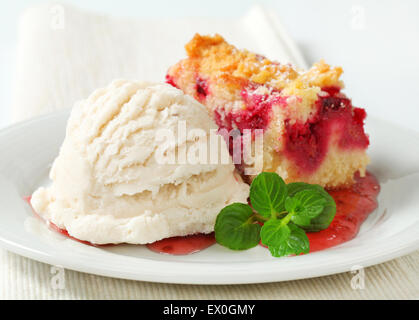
217 57
323 75
230 69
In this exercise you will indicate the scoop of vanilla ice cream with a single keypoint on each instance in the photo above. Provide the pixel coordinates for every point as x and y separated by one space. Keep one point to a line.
108 185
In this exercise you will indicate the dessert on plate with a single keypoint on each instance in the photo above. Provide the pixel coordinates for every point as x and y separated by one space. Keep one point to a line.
108 186
311 130
112 183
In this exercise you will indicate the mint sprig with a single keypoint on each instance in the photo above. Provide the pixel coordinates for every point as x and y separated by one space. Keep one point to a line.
286 211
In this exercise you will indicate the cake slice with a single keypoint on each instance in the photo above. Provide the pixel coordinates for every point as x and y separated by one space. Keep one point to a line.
311 132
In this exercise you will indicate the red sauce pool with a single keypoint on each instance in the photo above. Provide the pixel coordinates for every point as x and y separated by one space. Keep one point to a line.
183 245
353 205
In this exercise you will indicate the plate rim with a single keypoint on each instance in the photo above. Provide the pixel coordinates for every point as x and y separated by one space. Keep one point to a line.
196 279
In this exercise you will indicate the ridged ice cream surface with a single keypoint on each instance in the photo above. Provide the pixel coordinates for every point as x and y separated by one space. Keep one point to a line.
109 184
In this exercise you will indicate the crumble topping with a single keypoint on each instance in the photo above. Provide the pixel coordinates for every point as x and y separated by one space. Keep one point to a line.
217 58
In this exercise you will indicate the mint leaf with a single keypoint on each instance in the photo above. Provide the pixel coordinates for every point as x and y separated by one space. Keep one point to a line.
292 204
295 187
325 217
311 202
235 228
274 232
304 206
267 194
301 220
296 243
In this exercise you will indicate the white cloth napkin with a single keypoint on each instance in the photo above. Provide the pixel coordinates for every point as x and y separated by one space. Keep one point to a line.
65 53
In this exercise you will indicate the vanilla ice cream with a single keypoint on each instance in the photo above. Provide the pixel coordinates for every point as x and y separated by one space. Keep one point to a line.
108 186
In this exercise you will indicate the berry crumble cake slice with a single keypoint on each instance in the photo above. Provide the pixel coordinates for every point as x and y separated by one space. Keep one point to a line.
311 131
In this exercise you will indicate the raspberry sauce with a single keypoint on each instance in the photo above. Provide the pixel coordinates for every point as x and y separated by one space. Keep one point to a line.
183 245
353 205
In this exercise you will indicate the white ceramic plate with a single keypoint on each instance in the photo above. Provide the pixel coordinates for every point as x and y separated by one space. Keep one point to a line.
28 149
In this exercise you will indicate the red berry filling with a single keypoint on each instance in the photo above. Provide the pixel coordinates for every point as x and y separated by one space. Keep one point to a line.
256 115
170 80
307 143
201 88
